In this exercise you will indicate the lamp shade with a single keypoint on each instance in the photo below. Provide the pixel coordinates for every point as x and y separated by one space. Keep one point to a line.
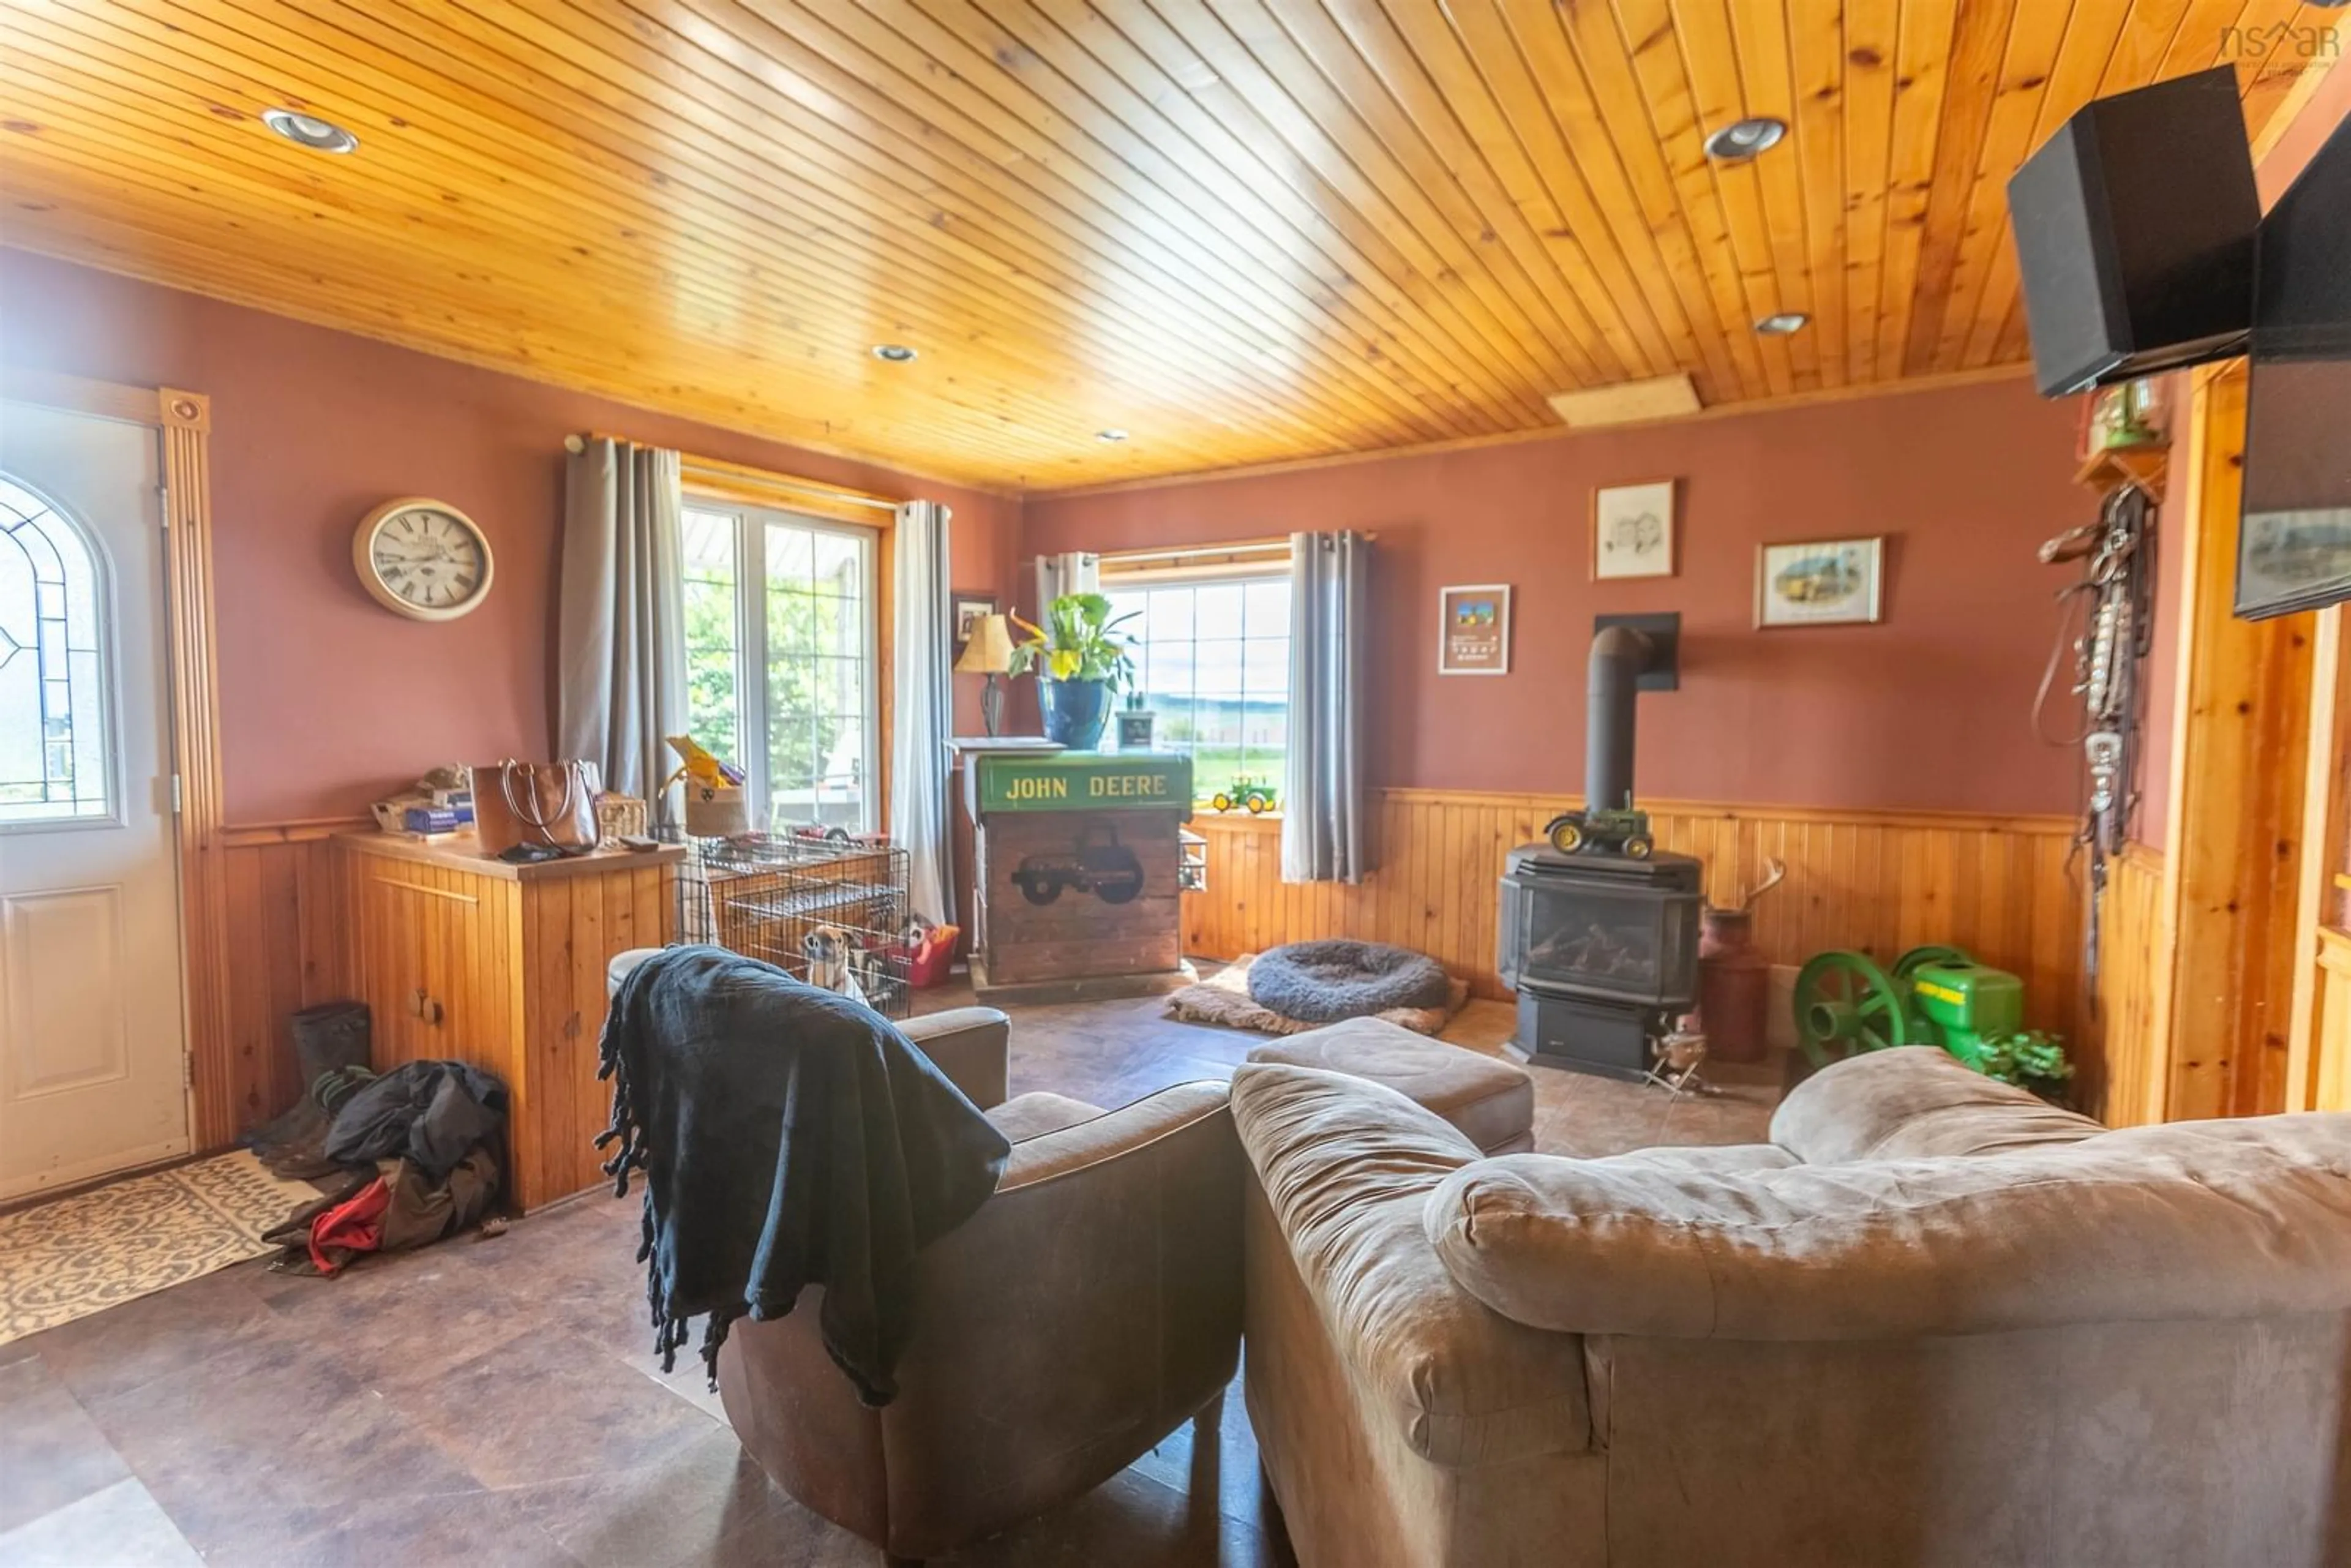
989 652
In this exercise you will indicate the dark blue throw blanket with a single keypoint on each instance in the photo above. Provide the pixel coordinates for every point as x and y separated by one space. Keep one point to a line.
789 1136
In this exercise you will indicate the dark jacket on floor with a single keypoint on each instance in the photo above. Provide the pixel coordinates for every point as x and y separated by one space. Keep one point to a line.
789 1137
433 1113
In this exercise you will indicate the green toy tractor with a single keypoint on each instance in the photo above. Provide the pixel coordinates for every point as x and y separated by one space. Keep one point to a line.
1624 831
1936 996
1254 795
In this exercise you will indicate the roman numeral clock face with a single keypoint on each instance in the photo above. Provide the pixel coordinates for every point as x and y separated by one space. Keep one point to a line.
424 560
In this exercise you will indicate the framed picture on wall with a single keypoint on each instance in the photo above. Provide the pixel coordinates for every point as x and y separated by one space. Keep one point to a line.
969 607
1820 583
1633 529
1474 630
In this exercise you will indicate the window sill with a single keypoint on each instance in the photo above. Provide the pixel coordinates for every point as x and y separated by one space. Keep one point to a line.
1204 812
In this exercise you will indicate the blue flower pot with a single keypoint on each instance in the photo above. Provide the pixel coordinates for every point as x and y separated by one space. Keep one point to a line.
1074 712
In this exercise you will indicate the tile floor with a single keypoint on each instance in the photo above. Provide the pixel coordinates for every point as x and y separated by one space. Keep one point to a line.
491 1402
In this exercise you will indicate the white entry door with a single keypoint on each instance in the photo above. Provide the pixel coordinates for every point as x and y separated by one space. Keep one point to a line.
92 1030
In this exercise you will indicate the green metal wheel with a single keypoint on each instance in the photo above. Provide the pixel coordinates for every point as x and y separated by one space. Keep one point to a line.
1845 1005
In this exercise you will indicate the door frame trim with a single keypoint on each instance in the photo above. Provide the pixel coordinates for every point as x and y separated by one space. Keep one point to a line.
183 421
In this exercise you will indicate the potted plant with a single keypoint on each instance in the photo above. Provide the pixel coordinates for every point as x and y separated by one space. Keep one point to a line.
2029 1059
1079 658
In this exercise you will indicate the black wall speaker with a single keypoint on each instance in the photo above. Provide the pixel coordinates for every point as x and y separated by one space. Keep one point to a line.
2134 230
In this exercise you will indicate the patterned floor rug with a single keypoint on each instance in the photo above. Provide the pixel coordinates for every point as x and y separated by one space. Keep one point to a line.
95 1250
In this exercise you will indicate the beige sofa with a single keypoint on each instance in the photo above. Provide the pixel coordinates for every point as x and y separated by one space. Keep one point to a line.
1934 1322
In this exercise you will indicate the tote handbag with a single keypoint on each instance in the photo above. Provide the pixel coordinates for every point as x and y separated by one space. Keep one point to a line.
547 803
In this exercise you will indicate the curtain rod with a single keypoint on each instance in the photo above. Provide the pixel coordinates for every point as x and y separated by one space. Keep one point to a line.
759 478
1239 547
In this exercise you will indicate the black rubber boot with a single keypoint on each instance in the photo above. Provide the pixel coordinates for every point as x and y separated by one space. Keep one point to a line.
329 1035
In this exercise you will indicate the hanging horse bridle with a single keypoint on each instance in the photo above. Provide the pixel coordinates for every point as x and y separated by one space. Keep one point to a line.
2116 592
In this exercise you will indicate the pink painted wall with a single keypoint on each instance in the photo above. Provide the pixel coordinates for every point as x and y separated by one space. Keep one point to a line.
327 699
1930 709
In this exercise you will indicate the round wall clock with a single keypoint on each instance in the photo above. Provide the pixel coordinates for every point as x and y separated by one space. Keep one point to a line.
424 560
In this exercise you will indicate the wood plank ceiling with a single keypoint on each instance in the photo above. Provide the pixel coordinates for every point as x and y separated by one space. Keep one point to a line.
1239 230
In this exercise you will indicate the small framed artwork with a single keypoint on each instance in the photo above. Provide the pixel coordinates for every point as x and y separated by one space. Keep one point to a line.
1633 530
1822 582
969 607
1474 630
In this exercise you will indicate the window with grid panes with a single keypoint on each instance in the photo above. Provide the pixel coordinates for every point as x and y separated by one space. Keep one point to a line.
1212 659
780 660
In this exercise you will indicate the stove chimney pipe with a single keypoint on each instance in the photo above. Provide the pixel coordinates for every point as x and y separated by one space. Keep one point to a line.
1619 656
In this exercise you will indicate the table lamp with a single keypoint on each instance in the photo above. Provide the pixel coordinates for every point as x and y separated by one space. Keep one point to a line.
990 653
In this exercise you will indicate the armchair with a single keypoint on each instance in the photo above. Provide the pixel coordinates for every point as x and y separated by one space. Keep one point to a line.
1091 1306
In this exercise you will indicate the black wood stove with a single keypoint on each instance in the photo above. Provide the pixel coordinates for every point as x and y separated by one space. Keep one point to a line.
1602 947
1603 951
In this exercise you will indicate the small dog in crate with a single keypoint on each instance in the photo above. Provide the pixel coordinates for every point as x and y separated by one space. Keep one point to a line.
832 957
868 968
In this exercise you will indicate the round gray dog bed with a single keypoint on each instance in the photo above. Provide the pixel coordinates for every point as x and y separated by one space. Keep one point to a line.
1323 982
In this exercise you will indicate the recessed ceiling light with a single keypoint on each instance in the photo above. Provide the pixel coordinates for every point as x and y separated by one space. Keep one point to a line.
310 130
897 353
1110 435
1743 138
1785 323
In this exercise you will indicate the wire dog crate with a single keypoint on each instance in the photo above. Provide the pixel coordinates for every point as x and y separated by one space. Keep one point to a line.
820 909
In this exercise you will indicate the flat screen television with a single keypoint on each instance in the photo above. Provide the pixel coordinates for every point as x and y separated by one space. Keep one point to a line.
2294 549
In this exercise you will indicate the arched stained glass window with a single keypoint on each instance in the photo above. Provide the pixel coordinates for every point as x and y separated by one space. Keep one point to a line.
54 733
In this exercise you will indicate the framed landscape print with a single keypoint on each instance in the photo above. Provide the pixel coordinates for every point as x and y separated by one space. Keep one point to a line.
1822 582
1474 630
1632 529
2293 560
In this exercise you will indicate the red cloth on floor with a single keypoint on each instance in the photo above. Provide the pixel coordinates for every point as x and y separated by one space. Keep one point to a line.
355 1225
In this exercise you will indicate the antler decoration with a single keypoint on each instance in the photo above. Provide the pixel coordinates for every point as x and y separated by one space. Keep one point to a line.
1774 872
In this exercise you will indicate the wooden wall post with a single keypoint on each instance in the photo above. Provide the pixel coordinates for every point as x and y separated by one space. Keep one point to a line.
2232 864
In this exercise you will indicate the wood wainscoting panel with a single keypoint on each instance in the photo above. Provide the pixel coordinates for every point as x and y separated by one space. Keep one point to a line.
2005 888
288 947
2134 971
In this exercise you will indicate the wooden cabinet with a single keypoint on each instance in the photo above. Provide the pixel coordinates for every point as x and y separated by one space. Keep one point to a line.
1076 873
465 957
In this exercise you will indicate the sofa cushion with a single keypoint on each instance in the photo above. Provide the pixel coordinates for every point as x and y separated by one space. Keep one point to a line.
1492 1101
1345 1166
1915 1102
2191 1220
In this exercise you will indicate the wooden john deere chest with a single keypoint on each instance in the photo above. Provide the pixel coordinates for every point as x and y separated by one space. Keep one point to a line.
1076 859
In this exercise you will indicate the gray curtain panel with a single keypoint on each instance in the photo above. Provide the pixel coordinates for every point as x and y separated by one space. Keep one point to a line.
1323 779
921 706
1073 571
621 615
